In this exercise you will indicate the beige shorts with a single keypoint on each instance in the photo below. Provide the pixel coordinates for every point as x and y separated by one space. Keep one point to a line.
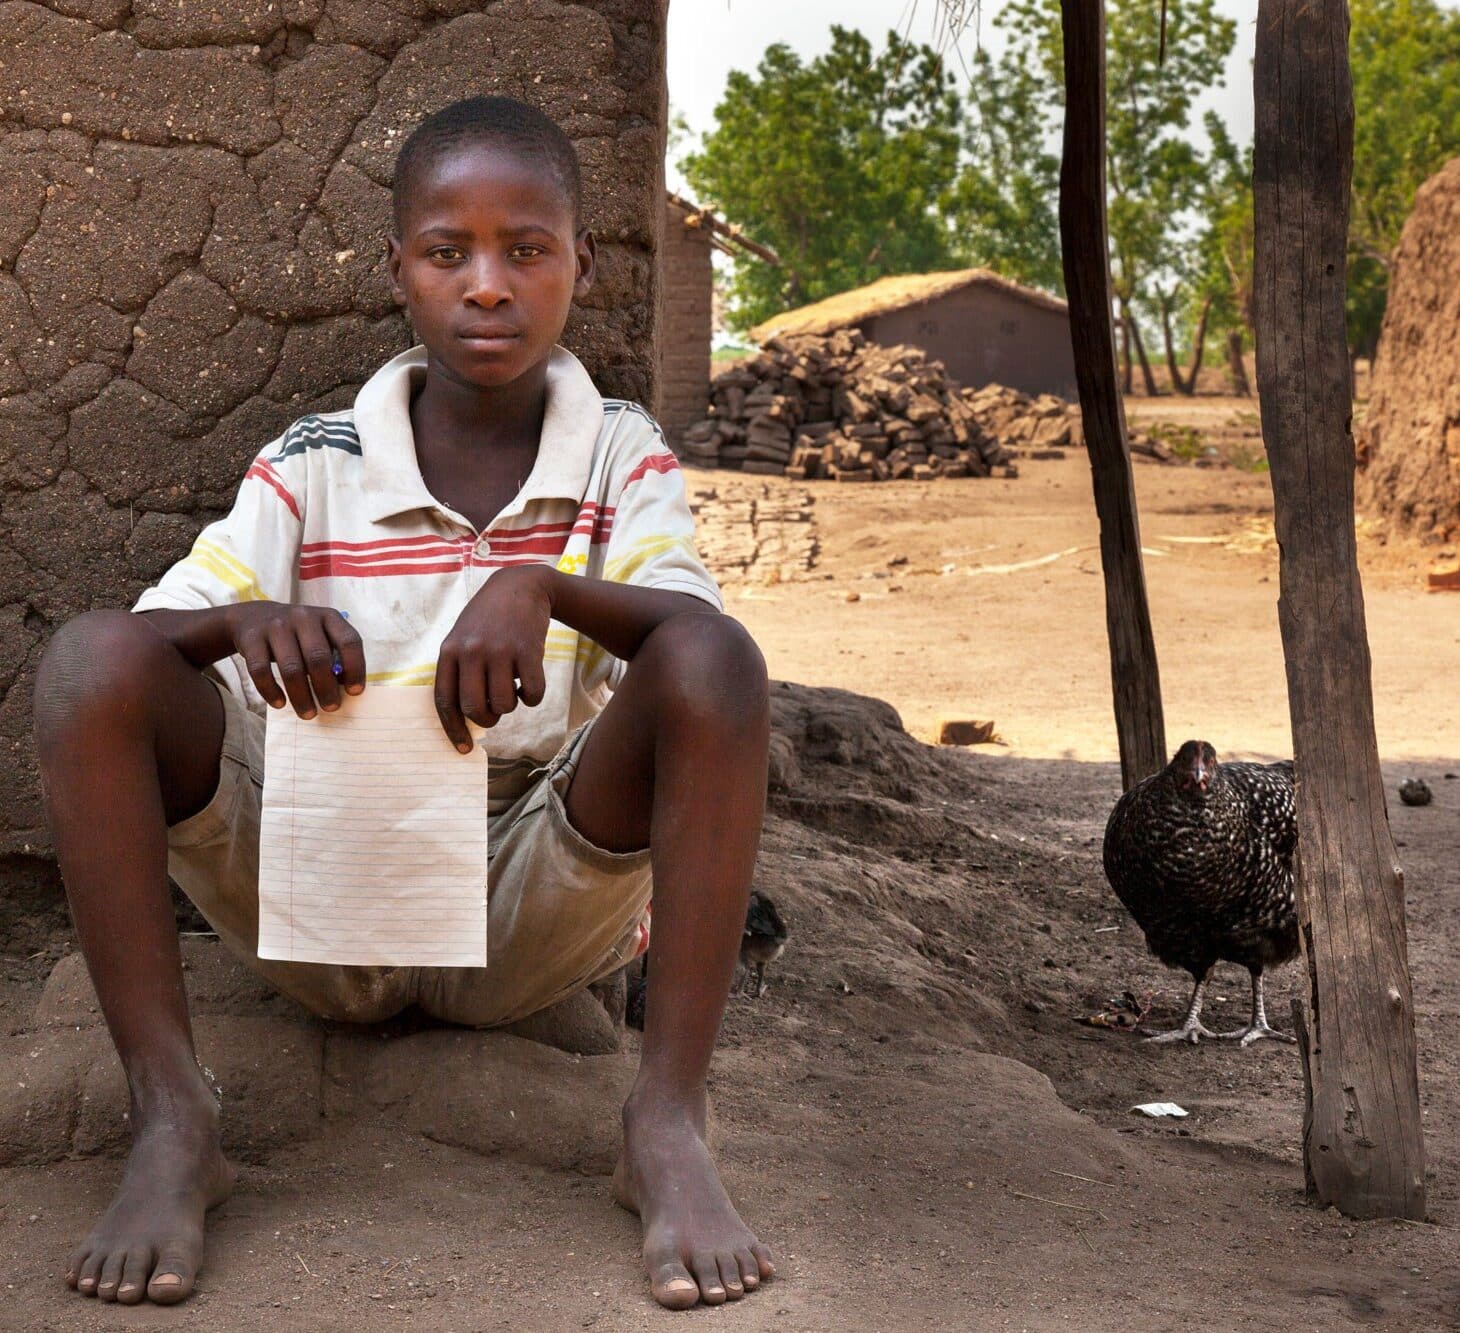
561 913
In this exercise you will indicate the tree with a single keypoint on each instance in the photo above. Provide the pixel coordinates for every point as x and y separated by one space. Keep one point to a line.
1404 56
1224 277
1155 173
1004 205
840 165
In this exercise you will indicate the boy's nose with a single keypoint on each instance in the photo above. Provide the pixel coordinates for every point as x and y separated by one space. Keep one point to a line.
487 285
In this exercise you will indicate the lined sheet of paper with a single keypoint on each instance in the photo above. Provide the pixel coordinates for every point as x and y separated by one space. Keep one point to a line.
373 845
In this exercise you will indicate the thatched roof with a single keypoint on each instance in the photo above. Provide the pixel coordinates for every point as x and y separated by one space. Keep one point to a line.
895 293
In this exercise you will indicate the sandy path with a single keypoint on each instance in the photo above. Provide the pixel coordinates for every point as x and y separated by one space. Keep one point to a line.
1027 647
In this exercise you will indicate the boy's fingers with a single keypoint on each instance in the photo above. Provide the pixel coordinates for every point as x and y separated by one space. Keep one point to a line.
351 649
256 657
534 685
448 707
501 686
319 661
289 657
471 692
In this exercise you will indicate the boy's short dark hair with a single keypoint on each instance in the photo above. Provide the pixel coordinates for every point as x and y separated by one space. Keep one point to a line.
502 121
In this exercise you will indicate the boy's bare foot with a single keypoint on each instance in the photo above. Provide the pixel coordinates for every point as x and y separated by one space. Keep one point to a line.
149 1243
696 1248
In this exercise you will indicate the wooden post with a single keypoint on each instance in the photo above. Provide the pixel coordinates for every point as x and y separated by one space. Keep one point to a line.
1363 1147
1134 673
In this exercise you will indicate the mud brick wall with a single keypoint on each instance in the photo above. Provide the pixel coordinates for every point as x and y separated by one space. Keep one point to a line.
194 197
1409 440
688 310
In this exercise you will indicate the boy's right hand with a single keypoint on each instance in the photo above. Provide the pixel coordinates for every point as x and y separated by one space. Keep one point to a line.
304 642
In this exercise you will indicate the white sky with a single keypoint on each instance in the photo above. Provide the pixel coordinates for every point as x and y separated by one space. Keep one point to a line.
709 38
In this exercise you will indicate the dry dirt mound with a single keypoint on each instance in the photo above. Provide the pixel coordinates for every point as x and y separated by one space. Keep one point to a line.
1409 443
867 848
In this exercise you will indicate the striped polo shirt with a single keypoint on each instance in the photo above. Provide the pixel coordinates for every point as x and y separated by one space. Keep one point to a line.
335 513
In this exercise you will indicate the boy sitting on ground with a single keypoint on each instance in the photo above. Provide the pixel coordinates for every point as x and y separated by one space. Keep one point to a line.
484 524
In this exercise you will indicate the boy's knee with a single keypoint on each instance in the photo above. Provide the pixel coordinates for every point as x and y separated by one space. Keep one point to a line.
707 667
95 661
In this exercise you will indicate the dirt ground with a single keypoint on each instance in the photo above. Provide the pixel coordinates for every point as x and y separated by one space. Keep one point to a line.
913 1115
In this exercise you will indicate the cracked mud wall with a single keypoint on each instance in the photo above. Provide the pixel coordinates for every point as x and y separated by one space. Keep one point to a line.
194 197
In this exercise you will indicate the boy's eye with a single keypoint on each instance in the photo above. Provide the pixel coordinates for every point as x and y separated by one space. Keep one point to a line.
445 252
526 251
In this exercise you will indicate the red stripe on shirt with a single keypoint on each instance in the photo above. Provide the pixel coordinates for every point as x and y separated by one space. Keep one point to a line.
336 567
269 477
664 463
319 548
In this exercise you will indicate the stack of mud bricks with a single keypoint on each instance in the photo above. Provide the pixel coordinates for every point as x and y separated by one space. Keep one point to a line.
194 200
840 407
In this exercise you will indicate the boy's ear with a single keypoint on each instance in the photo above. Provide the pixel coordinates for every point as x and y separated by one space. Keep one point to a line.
586 251
392 262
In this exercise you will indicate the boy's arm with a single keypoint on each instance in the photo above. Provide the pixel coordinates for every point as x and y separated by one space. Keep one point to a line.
619 616
202 637
316 651
498 639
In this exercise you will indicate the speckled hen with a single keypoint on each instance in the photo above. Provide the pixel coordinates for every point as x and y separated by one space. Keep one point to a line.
1202 856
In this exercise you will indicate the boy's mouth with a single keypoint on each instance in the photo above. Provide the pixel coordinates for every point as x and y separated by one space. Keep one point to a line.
488 335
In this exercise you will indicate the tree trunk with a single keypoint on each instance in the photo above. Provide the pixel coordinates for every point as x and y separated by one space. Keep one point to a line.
1198 346
1178 385
1362 1142
1125 363
1135 336
1137 683
1236 365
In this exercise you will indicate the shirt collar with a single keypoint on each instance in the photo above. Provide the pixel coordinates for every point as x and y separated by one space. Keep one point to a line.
392 477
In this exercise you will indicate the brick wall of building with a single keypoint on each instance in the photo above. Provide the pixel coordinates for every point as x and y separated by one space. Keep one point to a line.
684 359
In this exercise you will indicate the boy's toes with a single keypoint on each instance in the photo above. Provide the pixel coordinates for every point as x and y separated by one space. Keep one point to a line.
707 1274
133 1288
730 1277
749 1269
111 1275
74 1267
172 1280
673 1287
762 1255
90 1271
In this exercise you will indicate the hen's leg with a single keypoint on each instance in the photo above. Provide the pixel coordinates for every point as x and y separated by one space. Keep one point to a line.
1257 1028
1191 1029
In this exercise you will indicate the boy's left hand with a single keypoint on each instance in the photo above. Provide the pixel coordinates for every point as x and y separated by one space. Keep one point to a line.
497 641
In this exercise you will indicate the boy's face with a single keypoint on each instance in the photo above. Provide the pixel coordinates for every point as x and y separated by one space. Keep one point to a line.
488 262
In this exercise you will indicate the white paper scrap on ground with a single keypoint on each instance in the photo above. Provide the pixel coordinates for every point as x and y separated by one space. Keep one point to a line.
1156 1110
373 844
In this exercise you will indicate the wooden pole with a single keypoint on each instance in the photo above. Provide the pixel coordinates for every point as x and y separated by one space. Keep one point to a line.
1134 673
1362 1142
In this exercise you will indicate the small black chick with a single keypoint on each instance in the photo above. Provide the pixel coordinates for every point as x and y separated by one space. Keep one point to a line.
762 942
764 938
1202 856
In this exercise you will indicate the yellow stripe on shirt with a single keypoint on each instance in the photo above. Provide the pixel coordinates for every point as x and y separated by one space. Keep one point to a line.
642 552
227 569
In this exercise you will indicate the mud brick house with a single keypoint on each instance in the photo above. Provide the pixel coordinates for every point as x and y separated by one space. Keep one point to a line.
193 206
985 329
691 235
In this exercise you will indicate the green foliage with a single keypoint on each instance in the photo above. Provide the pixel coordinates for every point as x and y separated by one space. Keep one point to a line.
840 165
1405 58
1223 267
1156 177
1005 207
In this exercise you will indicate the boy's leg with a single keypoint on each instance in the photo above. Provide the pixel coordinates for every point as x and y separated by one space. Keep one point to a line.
129 736
677 761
